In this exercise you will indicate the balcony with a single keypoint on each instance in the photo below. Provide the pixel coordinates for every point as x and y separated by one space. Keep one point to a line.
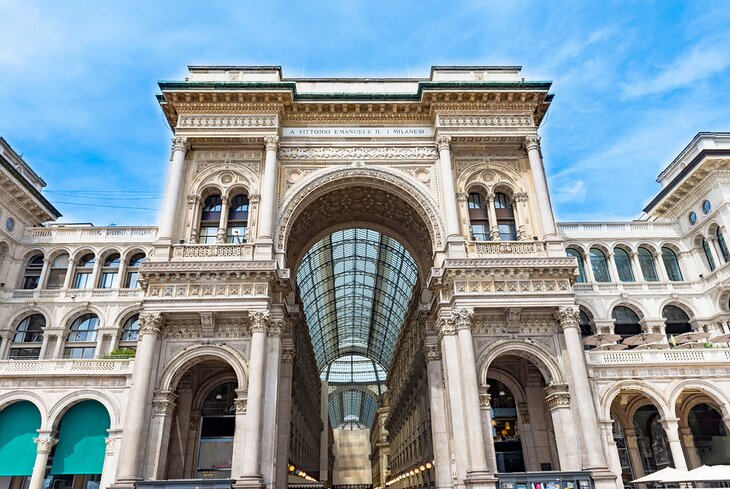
612 230
74 294
90 234
66 367
243 251
676 356
491 249
634 287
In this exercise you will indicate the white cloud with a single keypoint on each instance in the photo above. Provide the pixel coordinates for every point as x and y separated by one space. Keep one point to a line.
572 192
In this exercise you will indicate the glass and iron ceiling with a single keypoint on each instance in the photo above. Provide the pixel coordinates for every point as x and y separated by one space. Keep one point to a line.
356 286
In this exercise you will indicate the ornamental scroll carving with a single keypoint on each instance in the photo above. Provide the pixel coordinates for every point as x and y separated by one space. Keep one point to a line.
151 323
485 120
567 316
461 318
180 143
224 121
558 400
433 353
259 321
359 153
44 445
532 142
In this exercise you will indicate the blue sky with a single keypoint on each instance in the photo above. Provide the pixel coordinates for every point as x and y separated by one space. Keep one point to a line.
634 82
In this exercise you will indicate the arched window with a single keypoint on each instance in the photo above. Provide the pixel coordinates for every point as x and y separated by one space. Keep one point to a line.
581 267
33 272
723 246
82 338
676 321
57 275
210 218
674 273
218 425
626 322
84 269
133 271
709 433
623 265
646 262
586 326
599 264
110 272
28 338
130 332
478 216
237 230
505 217
708 254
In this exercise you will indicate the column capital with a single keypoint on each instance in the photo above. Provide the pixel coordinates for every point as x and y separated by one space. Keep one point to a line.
180 143
520 197
462 196
271 143
193 199
259 321
557 399
461 318
163 404
45 443
532 142
254 198
276 327
151 323
241 405
433 353
443 143
567 316
288 353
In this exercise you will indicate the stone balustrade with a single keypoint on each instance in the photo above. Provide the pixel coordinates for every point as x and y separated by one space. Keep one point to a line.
90 234
486 249
66 367
77 294
676 356
243 251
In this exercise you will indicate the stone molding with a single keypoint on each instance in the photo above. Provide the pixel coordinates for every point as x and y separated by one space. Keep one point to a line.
225 121
151 323
45 444
180 143
485 120
532 142
567 316
359 153
260 321
271 143
461 318
208 290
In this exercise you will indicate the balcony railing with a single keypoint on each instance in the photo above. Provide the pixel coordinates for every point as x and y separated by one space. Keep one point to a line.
486 249
660 357
632 227
66 367
50 294
244 251
635 287
90 234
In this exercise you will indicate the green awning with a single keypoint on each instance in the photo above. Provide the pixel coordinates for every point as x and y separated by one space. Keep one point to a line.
19 423
81 435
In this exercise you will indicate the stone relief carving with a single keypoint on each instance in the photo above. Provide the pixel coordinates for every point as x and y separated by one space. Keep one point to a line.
485 120
224 121
359 153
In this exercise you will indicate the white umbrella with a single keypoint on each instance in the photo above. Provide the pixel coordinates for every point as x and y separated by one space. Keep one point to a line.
653 346
691 336
692 346
612 346
601 339
660 475
642 339
723 338
705 473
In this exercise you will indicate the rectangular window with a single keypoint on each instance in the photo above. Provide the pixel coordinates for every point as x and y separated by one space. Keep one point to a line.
25 353
208 235
83 280
79 352
109 280
507 232
237 234
479 232
56 279
31 281
132 280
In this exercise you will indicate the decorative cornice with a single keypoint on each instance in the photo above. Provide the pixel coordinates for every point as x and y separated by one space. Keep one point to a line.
259 321
567 316
485 120
150 323
359 153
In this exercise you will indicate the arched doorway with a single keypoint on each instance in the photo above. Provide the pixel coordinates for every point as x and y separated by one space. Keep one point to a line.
710 434
77 460
651 438
506 431
19 423
205 400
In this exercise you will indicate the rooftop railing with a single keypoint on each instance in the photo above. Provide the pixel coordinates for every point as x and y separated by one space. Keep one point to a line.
631 227
75 293
661 357
84 234
66 367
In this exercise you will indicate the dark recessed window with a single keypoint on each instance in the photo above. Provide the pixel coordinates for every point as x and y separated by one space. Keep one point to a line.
706 207
692 218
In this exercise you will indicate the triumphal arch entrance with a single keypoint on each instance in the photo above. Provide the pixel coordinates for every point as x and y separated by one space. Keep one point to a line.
358 282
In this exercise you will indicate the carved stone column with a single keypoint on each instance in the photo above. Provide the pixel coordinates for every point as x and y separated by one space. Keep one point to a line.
239 435
443 143
111 447
283 415
520 219
163 409
568 316
661 270
68 279
671 428
223 223
251 471
193 223
135 422
44 273
614 461
439 429
271 402
612 269
173 189
532 145
485 405
269 197
558 402
44 444
636 265
492 213
688 441
477 453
